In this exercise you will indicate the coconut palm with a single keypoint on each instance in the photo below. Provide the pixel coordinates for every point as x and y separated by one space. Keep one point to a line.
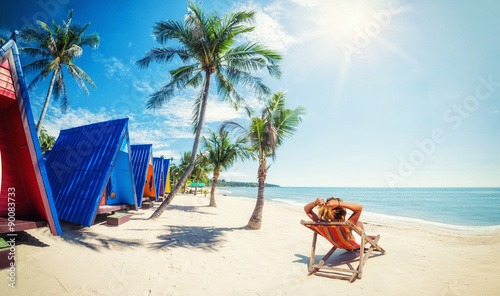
174 173
183 166
266 133
222 154
200 170
205 43
46 141
53 49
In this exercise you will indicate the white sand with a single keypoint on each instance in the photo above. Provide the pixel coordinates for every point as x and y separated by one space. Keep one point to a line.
194 249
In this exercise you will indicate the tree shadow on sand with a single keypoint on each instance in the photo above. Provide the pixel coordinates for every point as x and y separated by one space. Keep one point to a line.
24 238
82 235
205 238
195 209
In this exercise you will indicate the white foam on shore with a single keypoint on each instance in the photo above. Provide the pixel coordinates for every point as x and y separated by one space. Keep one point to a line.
222 191
288 202
406 220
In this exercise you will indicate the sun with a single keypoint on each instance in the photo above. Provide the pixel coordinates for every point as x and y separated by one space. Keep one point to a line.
354 22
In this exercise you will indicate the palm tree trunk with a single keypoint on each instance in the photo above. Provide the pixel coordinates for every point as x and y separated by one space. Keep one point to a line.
196 186
192 162
212 192
255 221
46 105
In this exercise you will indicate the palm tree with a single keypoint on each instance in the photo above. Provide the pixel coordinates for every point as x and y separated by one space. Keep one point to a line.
222 154
266 133
54 48
205 43
175 173
183 166
200 170
46 141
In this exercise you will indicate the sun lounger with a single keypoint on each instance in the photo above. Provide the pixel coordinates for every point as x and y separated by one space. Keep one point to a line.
337 234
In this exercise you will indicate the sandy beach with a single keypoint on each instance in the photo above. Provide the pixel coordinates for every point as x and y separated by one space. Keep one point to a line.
194 249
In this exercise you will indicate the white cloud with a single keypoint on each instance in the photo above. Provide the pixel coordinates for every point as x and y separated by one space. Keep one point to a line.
306 3
268 30
143 86
114 67
220 111
56 120
178 112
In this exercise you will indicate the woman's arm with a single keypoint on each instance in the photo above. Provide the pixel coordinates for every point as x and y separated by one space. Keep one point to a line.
310 206
356 210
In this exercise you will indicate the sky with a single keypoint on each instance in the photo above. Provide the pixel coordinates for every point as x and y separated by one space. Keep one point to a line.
397 93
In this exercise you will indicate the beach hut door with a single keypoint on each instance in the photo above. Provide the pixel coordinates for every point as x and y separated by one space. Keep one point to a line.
112 190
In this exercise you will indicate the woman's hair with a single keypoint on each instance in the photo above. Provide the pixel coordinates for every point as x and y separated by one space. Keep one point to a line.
332 214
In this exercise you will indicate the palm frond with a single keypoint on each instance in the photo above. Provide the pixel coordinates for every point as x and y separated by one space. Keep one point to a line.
36 66
233 127
163 55
168 30
79 78
232 25
255 56
82 75
162 96
253 83
227 91
35 52
91 40
38 78
60 92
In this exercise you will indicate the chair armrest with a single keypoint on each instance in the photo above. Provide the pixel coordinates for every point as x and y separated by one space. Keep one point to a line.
347 224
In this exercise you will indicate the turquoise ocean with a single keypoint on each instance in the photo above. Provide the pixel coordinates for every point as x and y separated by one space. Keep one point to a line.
454 208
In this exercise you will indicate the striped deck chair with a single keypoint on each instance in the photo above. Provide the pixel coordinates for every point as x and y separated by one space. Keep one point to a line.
336 234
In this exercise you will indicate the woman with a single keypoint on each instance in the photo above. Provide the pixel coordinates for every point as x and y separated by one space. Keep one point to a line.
334 211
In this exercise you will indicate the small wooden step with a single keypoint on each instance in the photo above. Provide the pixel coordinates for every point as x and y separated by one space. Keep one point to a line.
147 205
4 255
118 219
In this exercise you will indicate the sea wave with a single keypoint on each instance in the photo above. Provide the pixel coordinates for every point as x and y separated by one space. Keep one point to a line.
399 219
407 220
222 191
288 202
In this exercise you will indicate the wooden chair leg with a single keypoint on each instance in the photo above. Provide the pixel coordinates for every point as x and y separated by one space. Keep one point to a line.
361 253
364 257
313 251
323 260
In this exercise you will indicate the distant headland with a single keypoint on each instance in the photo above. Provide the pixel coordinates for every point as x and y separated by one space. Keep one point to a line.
224 183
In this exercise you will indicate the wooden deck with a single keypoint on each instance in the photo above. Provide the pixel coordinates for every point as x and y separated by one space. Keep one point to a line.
112 208
21 223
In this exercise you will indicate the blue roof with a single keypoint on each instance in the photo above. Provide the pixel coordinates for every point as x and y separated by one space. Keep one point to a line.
9 50
141 154
159 178
80 165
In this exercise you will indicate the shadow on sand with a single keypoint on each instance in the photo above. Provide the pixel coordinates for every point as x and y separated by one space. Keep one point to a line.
82 235
206 238
195 209
342 259
24 238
